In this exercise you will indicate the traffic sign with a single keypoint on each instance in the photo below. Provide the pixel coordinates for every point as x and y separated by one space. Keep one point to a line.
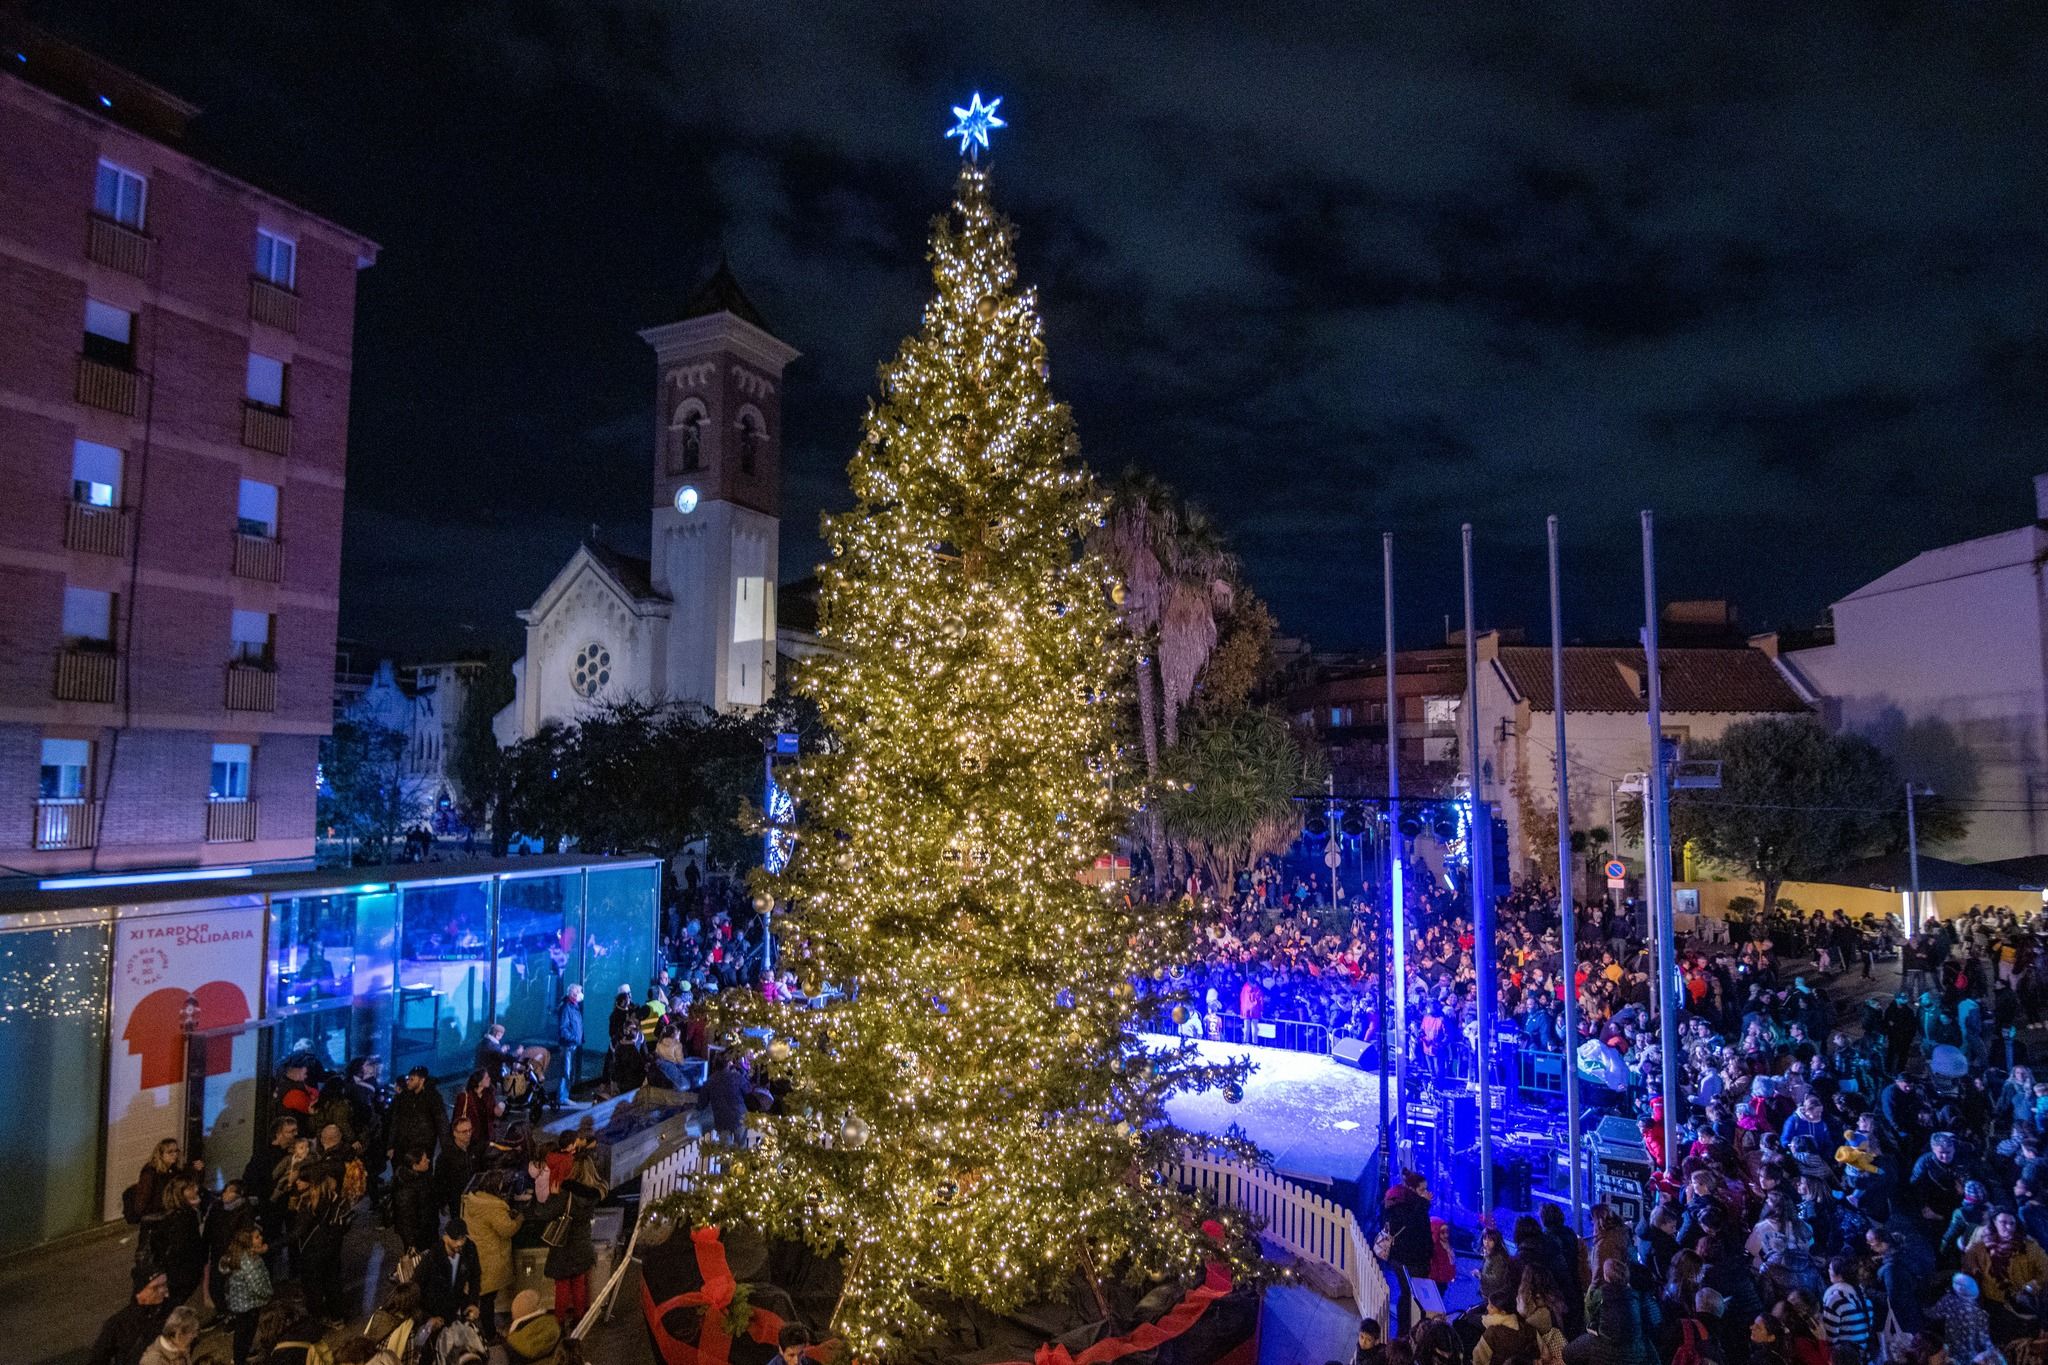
1332 859
1617 870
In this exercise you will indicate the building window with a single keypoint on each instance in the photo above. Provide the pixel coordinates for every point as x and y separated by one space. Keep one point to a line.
67 765
231 764
256 509
1340 715
120 194
277 259
753 433
686 435
95 474
268 382
252 634
109 334
592 671
88 616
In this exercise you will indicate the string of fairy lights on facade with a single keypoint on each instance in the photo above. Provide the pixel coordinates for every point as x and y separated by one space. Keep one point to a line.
65 980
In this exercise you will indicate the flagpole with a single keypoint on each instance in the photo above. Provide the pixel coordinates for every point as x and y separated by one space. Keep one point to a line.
1479 847
1568 919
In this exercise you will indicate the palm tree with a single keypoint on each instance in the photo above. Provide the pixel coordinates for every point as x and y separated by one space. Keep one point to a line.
1198 572
1142 515
1176 576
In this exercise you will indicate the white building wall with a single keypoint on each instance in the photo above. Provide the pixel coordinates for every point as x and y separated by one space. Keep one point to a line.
588 612
1944 664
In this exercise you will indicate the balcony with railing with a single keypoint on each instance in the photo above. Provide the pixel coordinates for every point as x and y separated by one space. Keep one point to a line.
117 246
266 429
273 305
96 530
230 821
71 822
86 675
252 687
108 387
258 557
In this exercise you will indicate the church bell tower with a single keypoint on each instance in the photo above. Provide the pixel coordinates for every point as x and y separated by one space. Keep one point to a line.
717 495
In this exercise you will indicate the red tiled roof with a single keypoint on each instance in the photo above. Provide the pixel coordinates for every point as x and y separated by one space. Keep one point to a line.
1730 680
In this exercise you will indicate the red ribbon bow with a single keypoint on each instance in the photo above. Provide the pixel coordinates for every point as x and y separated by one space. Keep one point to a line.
714 1343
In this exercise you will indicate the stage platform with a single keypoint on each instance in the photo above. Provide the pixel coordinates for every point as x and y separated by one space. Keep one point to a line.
1319 1118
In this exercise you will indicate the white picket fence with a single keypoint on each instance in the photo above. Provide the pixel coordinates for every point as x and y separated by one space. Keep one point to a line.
1304 1224
1308 1225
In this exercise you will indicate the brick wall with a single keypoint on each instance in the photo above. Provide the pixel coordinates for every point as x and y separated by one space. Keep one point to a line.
184 460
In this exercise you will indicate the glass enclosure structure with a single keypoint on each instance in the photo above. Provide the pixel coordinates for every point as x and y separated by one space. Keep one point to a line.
167 1009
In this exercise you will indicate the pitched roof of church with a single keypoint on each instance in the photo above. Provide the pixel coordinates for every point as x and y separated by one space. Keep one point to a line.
630 570
1597 678
722 294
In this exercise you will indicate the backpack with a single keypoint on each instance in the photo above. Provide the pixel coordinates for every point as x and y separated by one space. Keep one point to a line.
131 1203
1690 1335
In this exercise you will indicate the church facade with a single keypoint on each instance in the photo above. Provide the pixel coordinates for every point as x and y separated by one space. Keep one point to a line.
697 621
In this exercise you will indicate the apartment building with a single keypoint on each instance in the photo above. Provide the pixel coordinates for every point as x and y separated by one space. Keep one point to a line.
174 380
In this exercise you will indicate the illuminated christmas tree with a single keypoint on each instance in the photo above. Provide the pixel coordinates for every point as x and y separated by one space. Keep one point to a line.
979 1120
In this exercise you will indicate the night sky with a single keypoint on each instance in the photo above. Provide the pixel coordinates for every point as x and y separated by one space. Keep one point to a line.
1776 270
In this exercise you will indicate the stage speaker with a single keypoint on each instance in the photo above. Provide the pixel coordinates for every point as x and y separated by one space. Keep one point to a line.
1349 1051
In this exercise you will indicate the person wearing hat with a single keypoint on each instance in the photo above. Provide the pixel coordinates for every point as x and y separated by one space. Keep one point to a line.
1965 1326
124 1336
1970 1215
533 1336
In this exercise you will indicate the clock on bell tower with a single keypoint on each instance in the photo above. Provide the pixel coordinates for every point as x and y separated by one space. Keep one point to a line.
717 494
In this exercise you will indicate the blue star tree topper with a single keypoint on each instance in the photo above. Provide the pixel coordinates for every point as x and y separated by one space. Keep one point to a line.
977 120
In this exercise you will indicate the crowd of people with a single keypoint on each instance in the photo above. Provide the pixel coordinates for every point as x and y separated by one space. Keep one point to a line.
1857 1182
450 1190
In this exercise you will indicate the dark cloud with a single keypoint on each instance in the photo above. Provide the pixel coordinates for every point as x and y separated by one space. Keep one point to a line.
1774 270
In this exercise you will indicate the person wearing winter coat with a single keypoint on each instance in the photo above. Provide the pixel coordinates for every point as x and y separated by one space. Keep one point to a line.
492 1226
415 1201
2003 1260
173 1345
569 1034
568 1211
1503 1336
417 1117
534 1336
124 1336
1625 1320
176 1240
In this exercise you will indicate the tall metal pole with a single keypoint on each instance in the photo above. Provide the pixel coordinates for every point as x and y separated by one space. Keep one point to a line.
1656 809
1567 913
1397 856
1913 860
1479 843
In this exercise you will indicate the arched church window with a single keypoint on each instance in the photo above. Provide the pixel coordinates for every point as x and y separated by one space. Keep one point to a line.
753 434
686 436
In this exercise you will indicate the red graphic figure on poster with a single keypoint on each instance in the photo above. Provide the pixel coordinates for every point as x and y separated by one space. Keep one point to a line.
155 1031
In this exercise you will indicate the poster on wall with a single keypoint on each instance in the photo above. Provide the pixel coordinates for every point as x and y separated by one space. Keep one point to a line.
206 968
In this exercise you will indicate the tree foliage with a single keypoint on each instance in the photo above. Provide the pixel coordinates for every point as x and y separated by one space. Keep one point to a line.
639 777
972 1120
476 763
1795 801
366 800
1229 789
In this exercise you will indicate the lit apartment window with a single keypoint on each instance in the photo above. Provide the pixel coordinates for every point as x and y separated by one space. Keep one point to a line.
120 194
268 381
231 764
109 334
66 762
1340 716
88 616
256 509
252 634
95 474
277 259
